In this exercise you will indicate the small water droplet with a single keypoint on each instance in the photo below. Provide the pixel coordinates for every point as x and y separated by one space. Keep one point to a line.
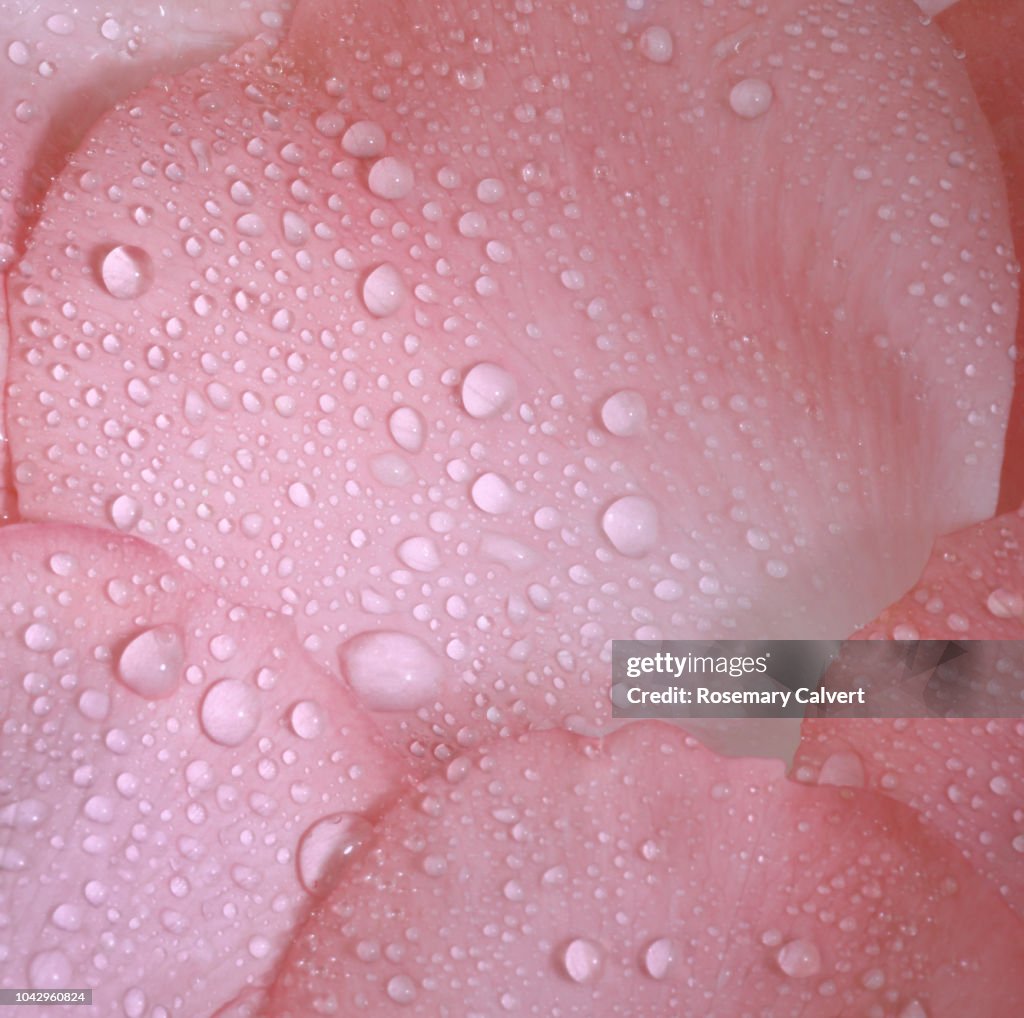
390 671
751 98
125 512
383 291
364 138
49 970
67 917
659 958
62 564
230 712
40 637
151 664
842 769
126 271
307 719
631 524
581 960
60 24
799 959
656 44
300 495
401 989
419 553
624 413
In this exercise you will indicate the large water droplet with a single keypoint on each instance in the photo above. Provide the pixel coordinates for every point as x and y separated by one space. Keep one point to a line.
751 98
151 664
487 390
230 712
390 178
582 960
659 957
126 271
388 670
799 959
327 844
383 291
631 524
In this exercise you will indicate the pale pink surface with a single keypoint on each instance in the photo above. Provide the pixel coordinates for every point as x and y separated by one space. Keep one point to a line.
807 315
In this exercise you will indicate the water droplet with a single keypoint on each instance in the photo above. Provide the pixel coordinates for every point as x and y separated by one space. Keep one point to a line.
1005 604
751 98
127 272
624 413
383 291
60 24
300 495
125 512
758 539
11 860
49 970
913 1009
62 564
1000 785
364 138
799 959
307 719
26 814
407 428
656 44
508 551
40 637
582 960
842 769
419 553
390 178
389 670
94 704
490 190
659 958
250 225
487 390
67 917
151 664
492 494
401 989
230 712
631 524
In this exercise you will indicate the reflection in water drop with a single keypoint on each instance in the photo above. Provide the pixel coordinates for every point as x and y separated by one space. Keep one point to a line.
329 842
151 665
230 712
581 960
126 272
